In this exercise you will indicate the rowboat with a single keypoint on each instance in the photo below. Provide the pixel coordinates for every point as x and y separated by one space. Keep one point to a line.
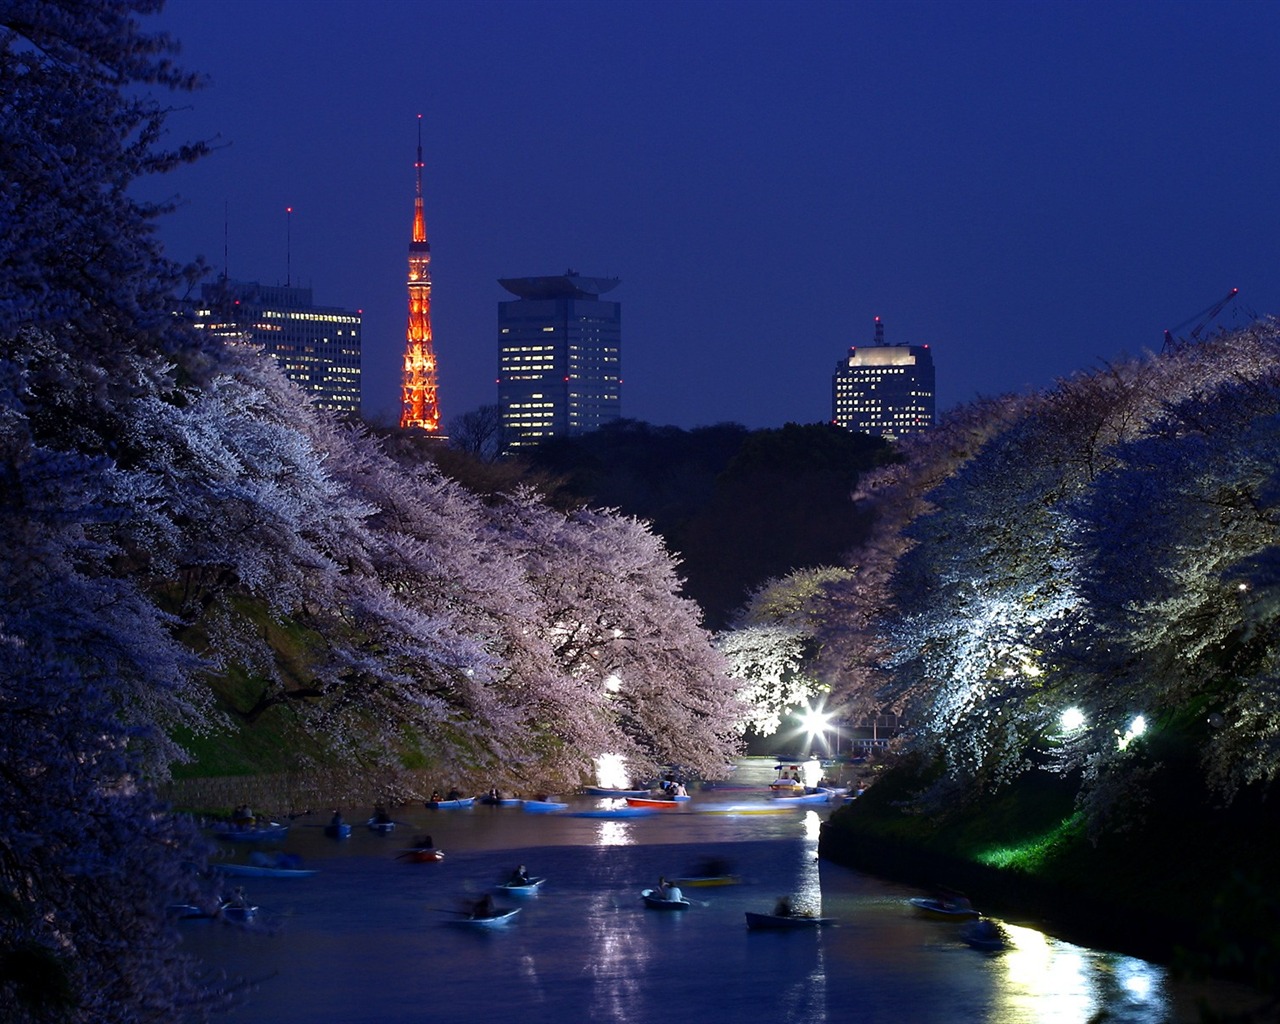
421 855
381 826
606 791
442 805
501 801
500 919
263 871
656 902
822 796
269 832
943 909
543 806
983 934
706 881
782 922
529 888
337 830
613 812
665 803
237 913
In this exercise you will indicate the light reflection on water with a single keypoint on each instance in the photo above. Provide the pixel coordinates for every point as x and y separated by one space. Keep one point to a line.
371 937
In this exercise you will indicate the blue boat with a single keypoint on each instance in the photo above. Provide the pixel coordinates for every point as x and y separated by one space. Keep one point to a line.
543 806
440 805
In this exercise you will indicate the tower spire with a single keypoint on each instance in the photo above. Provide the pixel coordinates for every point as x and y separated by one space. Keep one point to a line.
418 399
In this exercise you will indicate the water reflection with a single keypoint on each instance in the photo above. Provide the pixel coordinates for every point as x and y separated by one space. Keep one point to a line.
614 833
618 965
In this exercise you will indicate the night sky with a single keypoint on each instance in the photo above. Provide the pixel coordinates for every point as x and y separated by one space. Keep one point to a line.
1030 188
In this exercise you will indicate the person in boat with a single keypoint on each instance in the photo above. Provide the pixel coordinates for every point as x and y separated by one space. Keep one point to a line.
494 795
667 891
435 796
678 791
242 816
783 907
519 876
336 821
455 794
484 907
380 815
423 842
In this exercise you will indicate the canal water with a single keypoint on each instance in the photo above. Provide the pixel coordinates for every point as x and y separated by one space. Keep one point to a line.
371 937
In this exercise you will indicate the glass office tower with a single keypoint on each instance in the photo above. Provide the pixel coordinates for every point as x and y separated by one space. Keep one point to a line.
559 361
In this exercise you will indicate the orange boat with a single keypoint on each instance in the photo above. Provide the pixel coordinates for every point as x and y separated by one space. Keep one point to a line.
666 803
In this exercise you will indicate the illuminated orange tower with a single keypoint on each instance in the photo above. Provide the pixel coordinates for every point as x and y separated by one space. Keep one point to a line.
419 404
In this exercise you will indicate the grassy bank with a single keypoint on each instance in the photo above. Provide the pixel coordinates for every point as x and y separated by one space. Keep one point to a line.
1189 884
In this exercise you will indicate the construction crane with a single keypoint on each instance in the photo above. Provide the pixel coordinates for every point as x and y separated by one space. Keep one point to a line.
1201 321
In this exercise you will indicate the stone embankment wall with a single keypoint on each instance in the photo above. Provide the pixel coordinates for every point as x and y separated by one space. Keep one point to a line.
295 793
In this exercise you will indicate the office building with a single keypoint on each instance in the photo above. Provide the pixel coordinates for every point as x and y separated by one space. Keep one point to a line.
317 347
559 363
884 390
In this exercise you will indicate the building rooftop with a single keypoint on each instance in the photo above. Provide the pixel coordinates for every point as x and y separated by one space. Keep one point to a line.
562 286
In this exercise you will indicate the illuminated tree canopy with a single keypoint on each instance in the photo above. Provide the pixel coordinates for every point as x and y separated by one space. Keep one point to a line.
1108 546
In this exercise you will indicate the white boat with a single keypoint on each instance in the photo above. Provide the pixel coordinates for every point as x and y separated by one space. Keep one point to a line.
655 901
529 888
499 919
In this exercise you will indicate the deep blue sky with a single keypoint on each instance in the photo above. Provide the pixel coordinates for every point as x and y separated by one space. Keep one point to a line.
1031 188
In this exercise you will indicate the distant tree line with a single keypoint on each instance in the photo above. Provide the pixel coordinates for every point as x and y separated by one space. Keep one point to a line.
738 507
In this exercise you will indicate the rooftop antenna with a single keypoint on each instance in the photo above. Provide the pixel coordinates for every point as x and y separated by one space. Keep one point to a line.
879 333
288 246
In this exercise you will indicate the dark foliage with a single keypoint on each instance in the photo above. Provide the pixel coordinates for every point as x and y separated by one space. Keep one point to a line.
737 506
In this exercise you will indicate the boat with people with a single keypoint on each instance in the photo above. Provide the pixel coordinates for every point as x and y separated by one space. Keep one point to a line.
451 803
656 899
498 919
665 803
338 830
421 855
784 922
521 883
422 850
944 908
380 826
819 796
258 832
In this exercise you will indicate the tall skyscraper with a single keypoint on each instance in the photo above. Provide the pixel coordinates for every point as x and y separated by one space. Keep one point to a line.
318 347
419 401
559 363
885 390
